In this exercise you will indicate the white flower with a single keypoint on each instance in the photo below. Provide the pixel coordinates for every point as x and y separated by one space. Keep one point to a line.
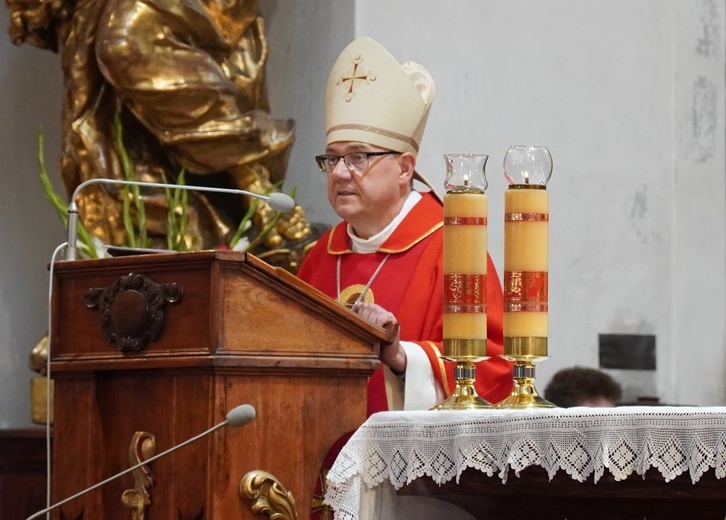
242 244
98 246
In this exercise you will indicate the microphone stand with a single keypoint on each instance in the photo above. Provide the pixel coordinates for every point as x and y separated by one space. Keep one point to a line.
277 201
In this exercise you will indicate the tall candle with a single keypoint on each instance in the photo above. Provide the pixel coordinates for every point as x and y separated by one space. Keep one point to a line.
526 270
465 263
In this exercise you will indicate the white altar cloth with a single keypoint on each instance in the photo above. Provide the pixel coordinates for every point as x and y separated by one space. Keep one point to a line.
397 447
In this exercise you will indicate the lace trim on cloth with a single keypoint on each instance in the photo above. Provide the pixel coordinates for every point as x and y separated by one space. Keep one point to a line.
403 446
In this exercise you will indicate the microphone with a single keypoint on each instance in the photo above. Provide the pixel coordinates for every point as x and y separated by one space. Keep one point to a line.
277 201
238 416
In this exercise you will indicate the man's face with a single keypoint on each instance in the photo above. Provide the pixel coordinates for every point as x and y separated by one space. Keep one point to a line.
368 200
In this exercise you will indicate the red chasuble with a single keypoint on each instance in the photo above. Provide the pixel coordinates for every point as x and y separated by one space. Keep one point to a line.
410 285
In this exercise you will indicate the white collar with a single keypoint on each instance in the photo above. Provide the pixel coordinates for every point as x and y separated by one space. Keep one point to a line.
371 245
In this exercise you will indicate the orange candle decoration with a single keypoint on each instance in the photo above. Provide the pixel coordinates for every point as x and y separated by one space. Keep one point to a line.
465 257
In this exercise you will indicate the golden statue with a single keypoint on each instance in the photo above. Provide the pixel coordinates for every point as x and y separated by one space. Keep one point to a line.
185 78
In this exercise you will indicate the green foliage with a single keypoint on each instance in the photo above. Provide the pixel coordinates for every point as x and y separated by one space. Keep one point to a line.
177 216
246 222
177 220
136 236
86 245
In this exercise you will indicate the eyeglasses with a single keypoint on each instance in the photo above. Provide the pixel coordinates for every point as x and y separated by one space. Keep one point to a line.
354 161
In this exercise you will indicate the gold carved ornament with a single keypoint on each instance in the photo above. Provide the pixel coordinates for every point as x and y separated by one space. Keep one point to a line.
142 447
264 494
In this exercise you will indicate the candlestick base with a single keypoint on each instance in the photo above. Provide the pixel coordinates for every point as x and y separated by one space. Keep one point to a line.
465 396
524 394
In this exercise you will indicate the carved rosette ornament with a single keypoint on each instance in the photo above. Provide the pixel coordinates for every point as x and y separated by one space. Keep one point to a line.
133 310
265 495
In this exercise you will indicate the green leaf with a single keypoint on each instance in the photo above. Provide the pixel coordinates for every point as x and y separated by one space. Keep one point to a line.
84 237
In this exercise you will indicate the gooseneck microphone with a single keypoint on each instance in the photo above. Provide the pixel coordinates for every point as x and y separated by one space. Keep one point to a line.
277 201
238 416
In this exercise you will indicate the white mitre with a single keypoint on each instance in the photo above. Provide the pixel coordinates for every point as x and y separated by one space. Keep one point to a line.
371 98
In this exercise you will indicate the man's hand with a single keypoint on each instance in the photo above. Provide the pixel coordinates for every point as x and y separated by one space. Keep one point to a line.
393 353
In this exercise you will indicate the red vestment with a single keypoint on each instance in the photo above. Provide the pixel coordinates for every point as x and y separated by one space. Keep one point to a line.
410 285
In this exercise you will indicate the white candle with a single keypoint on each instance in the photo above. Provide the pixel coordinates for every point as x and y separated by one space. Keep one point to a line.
525 261
465 271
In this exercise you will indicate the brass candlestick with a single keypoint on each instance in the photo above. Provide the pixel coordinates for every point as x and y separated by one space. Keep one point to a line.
526 206
525 352
465 270
465 396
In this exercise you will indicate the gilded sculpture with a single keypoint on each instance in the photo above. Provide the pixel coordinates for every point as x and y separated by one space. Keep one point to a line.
185 78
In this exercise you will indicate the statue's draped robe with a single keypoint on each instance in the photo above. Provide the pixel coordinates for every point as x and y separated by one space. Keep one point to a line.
188 79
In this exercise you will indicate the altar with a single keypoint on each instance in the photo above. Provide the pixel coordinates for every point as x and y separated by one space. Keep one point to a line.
623 462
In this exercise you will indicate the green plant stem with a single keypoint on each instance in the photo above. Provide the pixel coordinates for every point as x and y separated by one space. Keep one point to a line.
254 204
258 239
243 223
58 203
130 193
176 226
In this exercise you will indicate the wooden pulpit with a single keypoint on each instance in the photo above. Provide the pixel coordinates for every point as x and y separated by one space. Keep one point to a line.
148 351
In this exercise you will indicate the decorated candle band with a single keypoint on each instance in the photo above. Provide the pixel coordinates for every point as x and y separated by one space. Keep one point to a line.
525 312
526 217
465 293
526 291
465 318
465 221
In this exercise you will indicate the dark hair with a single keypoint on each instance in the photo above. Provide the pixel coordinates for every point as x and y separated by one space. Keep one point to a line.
573 386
